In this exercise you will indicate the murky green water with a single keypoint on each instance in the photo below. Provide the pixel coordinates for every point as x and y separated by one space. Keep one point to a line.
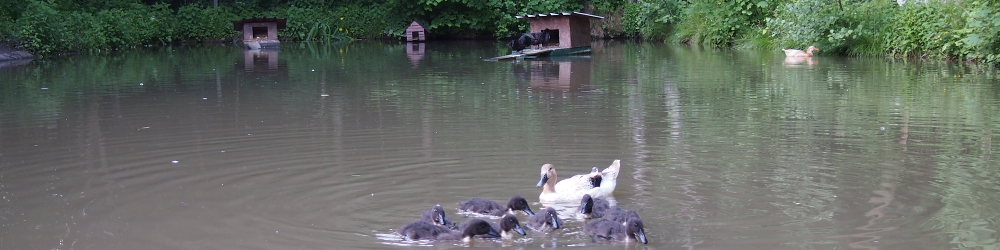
336 146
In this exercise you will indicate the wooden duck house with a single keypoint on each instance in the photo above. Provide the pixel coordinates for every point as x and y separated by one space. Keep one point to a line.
260 32
558 34
416 32
572 29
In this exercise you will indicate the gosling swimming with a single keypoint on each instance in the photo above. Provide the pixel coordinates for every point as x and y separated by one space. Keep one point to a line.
420 230
545 220
631 229
489 207
436 216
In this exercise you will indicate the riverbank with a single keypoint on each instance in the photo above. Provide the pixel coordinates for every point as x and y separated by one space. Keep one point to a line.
961 30
11 56
8 52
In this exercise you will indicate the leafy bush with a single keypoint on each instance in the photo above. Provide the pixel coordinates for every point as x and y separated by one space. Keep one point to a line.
983 27
722 22
840 27
309 24
134 26
462 17
198 23
940 29
651 19
367 21
43 29
920 28
40 28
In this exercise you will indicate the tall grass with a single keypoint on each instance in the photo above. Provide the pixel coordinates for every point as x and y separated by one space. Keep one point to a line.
47 27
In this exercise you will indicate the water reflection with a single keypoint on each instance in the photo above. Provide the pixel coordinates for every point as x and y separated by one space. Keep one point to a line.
800 61
14 63
175 148
561 74
415 52
262 60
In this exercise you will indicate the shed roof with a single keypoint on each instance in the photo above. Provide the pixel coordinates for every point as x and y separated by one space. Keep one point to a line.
561 14
238 25
421 23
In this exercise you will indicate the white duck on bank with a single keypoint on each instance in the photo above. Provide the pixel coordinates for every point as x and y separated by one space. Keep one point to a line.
799 53
596 184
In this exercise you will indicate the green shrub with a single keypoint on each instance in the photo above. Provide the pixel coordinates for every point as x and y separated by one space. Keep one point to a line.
41 28
366 21
722 22
981 35
137 25
840 27
924 28
303 24
651 19
198 23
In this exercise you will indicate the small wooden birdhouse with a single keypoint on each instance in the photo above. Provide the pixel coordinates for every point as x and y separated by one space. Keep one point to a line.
416 32
260 32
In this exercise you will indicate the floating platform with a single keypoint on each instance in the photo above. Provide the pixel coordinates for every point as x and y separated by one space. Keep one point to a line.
532 53
262 44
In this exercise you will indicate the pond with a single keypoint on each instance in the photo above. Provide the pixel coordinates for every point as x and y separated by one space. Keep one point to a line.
335 146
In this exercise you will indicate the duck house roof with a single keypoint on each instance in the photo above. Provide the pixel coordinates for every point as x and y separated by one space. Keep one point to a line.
542 15
238 25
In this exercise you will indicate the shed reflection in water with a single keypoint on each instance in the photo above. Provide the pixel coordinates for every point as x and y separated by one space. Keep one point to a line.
561 74
262 60
415 52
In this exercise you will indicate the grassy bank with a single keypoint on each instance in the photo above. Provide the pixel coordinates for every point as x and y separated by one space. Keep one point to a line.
966 30
954 29
49 27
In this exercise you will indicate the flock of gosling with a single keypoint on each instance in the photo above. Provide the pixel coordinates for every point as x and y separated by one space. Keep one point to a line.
605 222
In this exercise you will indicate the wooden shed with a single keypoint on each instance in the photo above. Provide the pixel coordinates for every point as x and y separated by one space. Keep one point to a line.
260 32
416 32
573 28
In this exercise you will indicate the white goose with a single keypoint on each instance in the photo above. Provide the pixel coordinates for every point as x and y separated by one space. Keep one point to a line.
800 53
596 184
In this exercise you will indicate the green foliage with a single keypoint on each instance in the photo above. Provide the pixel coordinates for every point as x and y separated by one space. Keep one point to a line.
939 29
137 25
306 24
651 19
722 22
41 28
983 27
956 29
198 23
919 28
493 17
9 11
368 21
840 27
